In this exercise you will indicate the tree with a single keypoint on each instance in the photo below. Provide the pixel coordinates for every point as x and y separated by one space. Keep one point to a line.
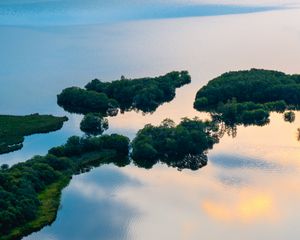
4 167
144 155
93 124
289 116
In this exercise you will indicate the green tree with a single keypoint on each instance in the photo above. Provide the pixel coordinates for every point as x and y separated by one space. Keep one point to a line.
93 124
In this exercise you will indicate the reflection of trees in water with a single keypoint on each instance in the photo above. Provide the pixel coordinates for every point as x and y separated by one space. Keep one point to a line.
298 134
189 161
229 125
230 130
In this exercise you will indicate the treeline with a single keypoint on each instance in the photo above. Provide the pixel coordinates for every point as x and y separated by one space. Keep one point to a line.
249 96
13 129
144 94
181 146
23 185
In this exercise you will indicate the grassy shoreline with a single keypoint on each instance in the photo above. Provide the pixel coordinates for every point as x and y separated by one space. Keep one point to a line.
31 191
50 202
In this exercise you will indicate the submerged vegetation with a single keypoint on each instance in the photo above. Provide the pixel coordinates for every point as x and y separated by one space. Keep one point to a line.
13 129
181 146
249 96
144 94
30 192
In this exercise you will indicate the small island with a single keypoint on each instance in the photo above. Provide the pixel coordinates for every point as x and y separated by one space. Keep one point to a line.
142 94
247 97
30 191
13 129
183 146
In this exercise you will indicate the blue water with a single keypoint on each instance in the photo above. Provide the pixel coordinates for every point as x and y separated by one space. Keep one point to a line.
104 214
37 13
250 187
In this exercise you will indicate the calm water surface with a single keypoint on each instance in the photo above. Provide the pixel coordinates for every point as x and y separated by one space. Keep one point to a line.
250 187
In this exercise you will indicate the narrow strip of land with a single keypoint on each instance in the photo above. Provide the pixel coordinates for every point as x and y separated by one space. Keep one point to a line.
13 129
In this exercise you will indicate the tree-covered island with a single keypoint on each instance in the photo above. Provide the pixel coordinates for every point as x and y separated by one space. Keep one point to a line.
182 146
30 191
13 129
248 97
144 94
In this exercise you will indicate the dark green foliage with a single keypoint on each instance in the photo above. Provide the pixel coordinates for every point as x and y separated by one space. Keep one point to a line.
144 94
181 146
248 96
4 167
247 113
289 116
77 100
19 188
258 86
14 128
22 184
256 117
77 146
93 124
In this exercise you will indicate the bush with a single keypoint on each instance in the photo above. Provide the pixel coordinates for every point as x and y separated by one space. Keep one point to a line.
93 124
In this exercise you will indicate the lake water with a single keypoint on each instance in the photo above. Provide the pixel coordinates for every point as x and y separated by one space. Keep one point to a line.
250 187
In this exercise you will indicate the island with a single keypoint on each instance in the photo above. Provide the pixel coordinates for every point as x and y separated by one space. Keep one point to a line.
248 97
30 191
182 146
142 94
13 129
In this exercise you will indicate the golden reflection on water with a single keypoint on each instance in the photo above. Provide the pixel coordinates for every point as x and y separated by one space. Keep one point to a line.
257 196
263 189
246 209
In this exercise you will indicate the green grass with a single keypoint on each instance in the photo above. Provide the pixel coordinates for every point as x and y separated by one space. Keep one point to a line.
50 201
13 129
